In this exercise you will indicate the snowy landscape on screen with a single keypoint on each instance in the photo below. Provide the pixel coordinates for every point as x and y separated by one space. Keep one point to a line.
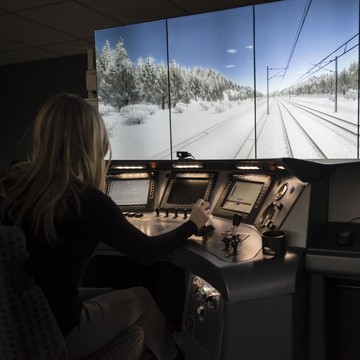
206 94
230 134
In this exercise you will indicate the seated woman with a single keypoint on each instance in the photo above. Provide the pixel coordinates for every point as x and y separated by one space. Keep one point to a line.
57 200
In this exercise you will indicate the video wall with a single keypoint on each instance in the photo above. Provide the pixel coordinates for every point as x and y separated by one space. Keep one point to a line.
273 80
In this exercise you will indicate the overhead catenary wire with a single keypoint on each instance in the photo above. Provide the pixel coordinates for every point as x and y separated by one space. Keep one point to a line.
297 36
320 65
283 71
324 62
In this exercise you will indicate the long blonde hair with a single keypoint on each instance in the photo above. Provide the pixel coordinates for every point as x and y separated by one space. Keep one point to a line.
70 146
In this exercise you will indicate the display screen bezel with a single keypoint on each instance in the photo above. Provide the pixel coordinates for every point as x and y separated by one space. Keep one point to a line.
127 192
246 203
141 185
261 181
179 181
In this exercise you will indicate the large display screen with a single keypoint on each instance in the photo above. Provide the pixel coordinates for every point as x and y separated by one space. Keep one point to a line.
274 80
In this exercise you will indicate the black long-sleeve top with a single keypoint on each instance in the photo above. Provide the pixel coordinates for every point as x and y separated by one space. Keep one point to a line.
58 268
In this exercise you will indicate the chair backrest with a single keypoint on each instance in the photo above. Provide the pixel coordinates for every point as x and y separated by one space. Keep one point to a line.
28 329
128 345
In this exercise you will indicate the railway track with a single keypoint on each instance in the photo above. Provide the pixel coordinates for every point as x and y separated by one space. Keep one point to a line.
298 132
336 121
305 132
308 132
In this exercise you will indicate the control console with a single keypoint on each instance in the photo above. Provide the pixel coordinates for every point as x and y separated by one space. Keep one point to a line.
235 293
244 203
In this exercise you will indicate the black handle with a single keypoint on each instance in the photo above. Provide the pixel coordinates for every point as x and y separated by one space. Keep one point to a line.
237 220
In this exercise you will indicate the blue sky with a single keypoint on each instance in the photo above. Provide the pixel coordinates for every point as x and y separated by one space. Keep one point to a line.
140 39
328 25
223 40
219 40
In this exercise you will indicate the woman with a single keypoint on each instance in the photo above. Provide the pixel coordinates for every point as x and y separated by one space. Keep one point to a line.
57 201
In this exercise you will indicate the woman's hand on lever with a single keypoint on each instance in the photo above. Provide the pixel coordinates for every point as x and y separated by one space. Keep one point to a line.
200 213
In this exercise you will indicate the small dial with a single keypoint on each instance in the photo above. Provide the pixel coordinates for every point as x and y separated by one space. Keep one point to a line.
281 192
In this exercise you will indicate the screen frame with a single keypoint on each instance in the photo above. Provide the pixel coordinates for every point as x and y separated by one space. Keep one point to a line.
210 176
135 176
254 185
247 217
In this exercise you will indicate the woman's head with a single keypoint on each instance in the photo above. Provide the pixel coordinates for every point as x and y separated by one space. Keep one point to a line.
70 140
70 145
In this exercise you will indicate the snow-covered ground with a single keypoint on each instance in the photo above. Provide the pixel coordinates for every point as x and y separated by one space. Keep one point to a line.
346 108
332 142
208 134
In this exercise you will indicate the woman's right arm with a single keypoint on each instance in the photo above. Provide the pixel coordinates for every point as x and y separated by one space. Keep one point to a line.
116 231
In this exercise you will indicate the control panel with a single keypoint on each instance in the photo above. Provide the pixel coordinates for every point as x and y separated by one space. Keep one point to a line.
203 312
244 203
282 196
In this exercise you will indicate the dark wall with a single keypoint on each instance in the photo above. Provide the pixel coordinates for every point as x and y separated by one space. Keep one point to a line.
24 88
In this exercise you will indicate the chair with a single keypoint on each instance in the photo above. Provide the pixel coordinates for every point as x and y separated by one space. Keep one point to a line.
28 329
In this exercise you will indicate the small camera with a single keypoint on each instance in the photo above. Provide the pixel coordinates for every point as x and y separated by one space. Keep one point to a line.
183 154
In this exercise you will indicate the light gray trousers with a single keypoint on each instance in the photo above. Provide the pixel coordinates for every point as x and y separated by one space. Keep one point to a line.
107 312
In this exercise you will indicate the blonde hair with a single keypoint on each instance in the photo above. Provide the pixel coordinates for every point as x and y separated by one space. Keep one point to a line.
70 146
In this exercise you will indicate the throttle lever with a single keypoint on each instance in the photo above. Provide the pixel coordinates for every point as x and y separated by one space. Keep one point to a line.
236 222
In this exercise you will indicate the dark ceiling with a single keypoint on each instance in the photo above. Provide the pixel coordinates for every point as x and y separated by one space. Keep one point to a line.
41 29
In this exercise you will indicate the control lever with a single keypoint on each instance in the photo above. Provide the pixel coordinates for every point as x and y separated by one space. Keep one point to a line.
230 237
227 241
234 238
236 222
234 245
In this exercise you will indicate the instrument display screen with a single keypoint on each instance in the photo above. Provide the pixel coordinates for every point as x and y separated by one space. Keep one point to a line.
185 188
132 191
129 192
243 195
